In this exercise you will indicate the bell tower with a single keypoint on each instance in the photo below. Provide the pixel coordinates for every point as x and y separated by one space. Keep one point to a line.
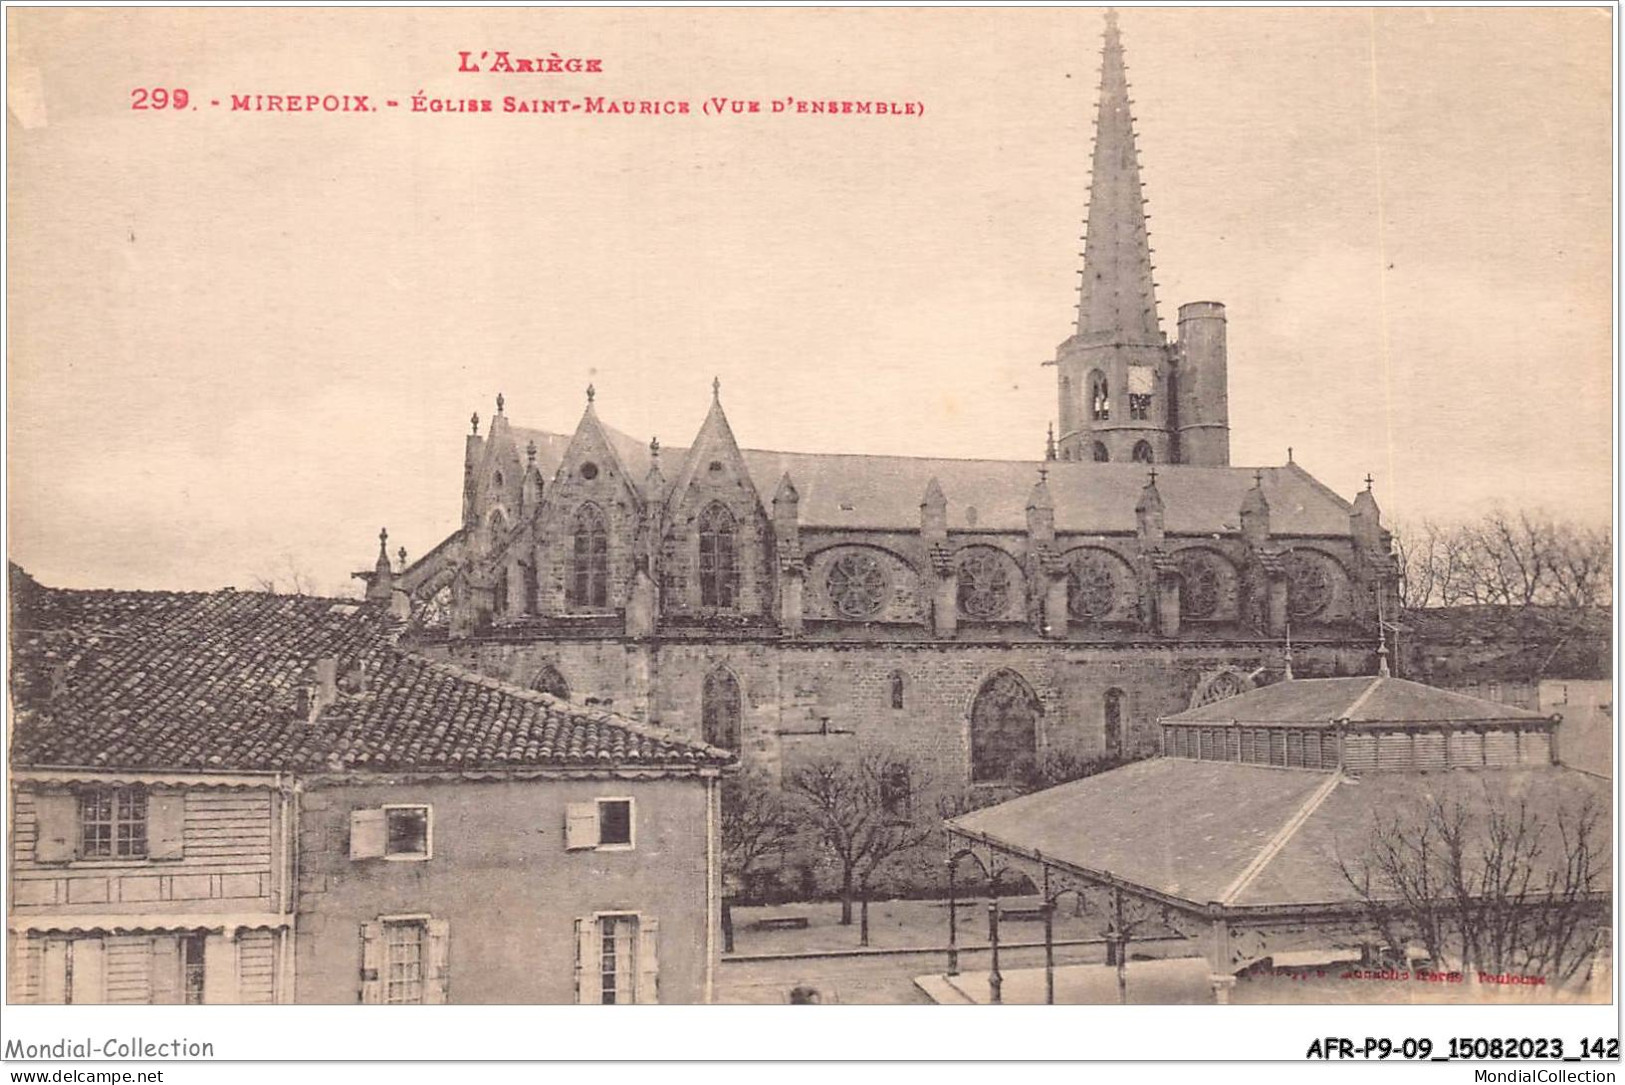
1119 377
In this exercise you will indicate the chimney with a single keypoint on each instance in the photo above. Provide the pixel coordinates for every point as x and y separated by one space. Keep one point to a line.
327 685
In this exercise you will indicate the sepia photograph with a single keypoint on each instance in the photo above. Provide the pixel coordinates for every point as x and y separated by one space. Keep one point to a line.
811 506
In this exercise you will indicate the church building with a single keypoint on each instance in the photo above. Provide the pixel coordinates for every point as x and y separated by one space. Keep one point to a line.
986 619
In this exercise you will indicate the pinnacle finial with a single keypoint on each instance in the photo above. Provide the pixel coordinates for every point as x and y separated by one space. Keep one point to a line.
1043 474
716 388
401 553
474 420
500 402
530 453
654 447
591 393
1289 454
1258 477
1153 480
383 545
1368 482
1382 659
1049 443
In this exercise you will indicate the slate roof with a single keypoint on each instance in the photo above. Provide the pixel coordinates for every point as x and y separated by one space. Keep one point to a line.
212 681
1369 699
884 492
1250 835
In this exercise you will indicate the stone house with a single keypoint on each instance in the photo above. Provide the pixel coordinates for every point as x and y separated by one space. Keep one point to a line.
236 797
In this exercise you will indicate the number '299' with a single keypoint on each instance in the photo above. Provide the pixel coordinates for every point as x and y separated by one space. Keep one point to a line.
159 98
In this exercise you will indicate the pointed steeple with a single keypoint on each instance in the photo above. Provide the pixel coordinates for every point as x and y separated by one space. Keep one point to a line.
1117 301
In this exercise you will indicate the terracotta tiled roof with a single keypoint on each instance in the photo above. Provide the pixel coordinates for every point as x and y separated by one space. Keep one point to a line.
851 491
1251 835
214 681
1311 701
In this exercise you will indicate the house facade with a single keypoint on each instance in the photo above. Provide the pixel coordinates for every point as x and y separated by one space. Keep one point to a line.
236 798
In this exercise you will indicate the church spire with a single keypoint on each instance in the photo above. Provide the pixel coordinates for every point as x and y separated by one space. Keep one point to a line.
1117 301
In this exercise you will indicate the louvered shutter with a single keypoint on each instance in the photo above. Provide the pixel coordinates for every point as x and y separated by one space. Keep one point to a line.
166 817
580 825
89 971
166 970
372 962
368 834
588 990
53 988
437 977
220 971
648 961
56 820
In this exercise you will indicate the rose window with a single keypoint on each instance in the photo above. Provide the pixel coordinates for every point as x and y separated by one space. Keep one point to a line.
857 585
1092 588
1199 587
1222 685
984 585
1308 585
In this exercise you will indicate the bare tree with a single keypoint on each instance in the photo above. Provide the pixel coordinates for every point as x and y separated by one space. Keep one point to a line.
1511 560
287 577
756 827
862 811
1488 884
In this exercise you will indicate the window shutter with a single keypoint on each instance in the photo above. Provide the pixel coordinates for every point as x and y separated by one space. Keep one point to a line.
372 962
220 971
56 820
368 834
437 977
89 972
648 961
588 991
166 970
581 825
53 987
166 816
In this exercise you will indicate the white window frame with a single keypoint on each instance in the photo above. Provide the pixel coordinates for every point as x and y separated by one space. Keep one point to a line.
637 950
631 824
428 832
420 921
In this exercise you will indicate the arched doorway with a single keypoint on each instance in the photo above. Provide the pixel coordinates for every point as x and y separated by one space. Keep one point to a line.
1004 730
549 680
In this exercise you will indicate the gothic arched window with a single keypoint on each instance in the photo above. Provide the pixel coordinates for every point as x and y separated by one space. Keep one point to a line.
1201 585
719 709
857 584
498 524
589 559
897 689
719 566
1143 453
1100 399
1093 581
1308 584
549 680
1004 730
1114 723
1101 455
984 584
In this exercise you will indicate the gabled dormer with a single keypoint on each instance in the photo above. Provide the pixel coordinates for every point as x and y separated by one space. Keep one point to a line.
586 529
716 544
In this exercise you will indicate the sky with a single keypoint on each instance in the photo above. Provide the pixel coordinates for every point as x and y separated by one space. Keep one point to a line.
239 343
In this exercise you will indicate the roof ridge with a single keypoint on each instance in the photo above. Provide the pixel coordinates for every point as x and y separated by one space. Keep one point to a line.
636 727
1280 840
1359 702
